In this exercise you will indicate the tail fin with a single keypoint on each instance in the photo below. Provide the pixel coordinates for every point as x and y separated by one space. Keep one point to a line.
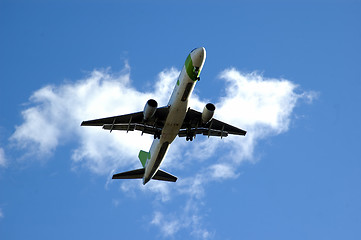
143 157
138 173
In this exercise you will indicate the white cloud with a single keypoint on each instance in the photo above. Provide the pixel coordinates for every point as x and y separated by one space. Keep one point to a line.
57 112
2 158
168 227
222 170
261 106
188 218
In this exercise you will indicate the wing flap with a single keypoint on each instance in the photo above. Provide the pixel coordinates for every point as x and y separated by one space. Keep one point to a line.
121 127
193 120
131 127
133 121
215 133
204 131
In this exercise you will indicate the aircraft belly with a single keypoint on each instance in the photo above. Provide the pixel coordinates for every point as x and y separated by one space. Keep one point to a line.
168 120
178 106
170 131
174 121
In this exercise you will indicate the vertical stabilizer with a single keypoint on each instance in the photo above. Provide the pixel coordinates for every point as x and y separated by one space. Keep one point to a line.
143 157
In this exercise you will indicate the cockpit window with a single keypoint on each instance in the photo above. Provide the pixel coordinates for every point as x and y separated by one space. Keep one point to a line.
193 50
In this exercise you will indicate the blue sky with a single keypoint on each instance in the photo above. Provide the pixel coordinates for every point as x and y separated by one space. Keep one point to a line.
287 71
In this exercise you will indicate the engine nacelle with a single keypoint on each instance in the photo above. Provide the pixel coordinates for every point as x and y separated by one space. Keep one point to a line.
208 112
149 109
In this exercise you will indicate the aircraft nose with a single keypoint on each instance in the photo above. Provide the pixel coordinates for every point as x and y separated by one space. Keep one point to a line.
198 56
201 51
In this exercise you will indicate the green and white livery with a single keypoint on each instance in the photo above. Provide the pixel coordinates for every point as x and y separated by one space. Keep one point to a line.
165 123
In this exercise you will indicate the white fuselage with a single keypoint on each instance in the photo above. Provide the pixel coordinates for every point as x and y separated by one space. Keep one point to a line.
178 105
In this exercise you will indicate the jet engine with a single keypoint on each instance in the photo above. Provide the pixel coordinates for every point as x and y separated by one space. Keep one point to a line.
149 109
208 112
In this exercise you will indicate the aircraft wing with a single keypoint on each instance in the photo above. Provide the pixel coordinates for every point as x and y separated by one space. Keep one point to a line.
192 126
132 121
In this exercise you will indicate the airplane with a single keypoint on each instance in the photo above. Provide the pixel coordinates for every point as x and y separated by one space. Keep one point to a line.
165 123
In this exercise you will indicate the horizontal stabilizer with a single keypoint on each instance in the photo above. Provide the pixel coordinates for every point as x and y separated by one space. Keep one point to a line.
138 173
164 176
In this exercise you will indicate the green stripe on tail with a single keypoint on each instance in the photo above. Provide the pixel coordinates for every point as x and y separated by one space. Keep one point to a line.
143 157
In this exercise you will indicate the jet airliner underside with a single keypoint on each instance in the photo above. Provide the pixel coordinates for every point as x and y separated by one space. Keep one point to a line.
165 123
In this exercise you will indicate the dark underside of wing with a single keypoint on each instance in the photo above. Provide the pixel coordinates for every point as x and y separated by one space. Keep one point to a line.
192 125
132 121
121 119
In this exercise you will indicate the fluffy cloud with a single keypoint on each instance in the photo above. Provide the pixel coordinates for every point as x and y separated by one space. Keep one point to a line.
57 112
170 224
261 106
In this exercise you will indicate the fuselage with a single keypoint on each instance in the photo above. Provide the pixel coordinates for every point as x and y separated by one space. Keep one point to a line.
178 106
